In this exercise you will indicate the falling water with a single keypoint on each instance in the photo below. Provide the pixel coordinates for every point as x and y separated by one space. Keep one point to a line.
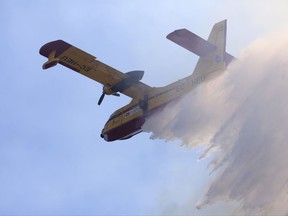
240 119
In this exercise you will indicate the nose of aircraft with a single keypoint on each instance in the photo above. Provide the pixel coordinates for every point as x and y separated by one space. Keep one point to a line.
104 136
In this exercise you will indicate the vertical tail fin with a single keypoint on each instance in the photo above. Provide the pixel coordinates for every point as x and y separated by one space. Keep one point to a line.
214 60
212 52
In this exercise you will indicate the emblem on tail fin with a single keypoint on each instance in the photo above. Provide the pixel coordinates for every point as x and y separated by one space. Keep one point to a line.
218 59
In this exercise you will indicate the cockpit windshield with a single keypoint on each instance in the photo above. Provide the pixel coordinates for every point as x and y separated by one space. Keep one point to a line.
114 114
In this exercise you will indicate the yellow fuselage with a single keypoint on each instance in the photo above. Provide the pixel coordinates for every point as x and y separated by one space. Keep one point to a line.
128 120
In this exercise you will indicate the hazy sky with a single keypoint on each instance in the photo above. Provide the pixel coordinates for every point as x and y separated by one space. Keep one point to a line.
52 159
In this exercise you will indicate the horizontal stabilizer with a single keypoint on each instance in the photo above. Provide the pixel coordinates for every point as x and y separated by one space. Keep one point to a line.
195 44
228 58
191 42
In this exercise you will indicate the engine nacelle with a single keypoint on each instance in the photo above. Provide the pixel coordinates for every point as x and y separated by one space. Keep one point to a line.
135 75
133 78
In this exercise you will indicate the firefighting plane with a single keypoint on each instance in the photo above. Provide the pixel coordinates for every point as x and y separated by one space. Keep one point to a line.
146 100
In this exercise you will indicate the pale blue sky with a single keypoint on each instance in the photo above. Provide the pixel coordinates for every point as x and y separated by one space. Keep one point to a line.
52 159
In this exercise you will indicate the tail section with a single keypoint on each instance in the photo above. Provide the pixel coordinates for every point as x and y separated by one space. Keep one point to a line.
215 60
213 56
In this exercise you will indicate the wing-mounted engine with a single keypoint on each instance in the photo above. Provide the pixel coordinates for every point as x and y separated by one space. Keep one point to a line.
133 77
114 81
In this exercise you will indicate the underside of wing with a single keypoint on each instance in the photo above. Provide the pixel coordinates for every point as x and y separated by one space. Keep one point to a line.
138 90
113 80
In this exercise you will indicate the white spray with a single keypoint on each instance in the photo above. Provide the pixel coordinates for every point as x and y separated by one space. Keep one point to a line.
243 116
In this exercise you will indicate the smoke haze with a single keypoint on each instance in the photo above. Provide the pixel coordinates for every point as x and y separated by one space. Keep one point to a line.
240 120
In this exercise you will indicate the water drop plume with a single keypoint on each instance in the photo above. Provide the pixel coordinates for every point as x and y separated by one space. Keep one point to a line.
240 120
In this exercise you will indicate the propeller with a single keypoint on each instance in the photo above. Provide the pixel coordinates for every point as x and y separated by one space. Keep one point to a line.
103 95
131 79
101 98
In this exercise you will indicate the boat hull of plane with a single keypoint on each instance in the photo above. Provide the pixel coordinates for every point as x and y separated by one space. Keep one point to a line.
125 131
133 127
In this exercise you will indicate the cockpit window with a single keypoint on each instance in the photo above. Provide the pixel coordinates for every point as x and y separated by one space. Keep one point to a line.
114 115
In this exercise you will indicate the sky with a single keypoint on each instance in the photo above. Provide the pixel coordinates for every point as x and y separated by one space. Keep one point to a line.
52 159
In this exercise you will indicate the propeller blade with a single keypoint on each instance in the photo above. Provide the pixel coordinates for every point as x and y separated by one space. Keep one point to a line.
116 94
101 98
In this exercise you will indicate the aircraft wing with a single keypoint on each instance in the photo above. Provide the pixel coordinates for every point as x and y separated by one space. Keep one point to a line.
195 44
64 53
